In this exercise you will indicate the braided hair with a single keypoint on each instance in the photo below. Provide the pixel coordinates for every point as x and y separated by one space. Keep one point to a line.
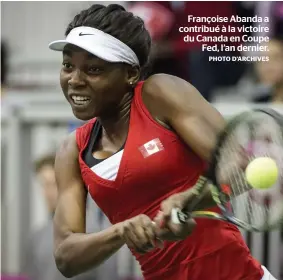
117 22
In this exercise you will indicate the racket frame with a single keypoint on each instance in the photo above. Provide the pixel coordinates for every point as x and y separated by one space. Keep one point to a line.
178 216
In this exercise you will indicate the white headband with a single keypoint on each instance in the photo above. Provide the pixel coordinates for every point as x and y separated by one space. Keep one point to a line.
99 44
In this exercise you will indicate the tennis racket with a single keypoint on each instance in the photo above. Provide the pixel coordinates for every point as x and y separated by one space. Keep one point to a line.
252 134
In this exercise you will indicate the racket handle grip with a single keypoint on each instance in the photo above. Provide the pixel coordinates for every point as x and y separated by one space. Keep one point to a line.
178 216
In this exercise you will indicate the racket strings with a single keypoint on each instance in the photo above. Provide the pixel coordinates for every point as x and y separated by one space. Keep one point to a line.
252 138
274 207
272 141
255 211
264 134
243 208
237 180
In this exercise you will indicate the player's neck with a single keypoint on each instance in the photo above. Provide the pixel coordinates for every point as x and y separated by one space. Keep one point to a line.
116 125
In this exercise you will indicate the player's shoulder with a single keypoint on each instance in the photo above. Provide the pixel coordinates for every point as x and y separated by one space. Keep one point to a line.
67 150
165 86
72 142
155 83
68 141
164 95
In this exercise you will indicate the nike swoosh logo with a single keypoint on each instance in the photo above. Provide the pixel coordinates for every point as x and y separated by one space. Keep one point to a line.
83 34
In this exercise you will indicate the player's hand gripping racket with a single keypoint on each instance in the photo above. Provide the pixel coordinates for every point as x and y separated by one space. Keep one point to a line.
248 136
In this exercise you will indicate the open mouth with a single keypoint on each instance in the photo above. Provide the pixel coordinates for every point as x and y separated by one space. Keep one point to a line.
80 100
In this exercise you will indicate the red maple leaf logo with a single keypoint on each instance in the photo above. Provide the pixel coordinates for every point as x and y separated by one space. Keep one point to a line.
150 146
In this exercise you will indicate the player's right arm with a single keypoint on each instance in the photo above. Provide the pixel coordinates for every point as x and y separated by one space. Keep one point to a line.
74 250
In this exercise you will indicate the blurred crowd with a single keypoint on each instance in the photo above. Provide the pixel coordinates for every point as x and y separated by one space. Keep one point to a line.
260 82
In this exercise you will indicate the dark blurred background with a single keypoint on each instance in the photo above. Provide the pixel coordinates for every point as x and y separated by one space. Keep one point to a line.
35 116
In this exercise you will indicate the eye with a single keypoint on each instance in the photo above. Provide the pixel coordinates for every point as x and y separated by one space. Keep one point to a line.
67 66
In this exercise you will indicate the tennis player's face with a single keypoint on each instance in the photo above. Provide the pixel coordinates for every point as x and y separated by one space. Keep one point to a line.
93 87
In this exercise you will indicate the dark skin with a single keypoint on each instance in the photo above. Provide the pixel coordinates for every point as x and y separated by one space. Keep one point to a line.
173 103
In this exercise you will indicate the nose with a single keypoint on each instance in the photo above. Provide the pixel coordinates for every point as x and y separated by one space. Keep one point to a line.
76 79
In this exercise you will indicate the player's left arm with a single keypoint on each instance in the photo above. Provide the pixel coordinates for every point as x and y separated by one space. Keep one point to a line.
181 106
177 103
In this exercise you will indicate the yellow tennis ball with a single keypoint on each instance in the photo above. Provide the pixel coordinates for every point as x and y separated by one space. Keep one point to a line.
262 173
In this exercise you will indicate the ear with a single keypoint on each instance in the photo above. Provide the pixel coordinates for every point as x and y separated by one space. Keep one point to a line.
133 75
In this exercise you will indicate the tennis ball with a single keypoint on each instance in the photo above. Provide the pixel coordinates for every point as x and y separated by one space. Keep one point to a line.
262 173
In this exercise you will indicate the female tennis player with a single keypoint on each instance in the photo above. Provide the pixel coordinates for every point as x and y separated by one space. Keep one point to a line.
145 142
